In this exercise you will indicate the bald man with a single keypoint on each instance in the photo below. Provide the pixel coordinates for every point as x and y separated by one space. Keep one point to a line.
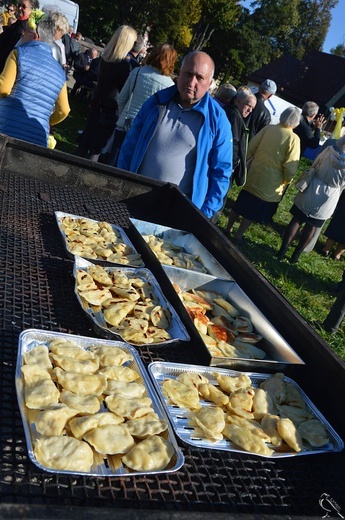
181 135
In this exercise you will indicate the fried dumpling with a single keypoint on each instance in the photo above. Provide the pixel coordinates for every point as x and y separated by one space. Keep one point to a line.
111 356
151 454
117 312
100 275
63 453
121 373
182 395
249 424
130 390
232 383
269 425
86 404
52 420
96 296
160 317
38 356
41 394
79 426
263 403
229 350
146 426
142 310
246 440
69 349
230 309
84 281
241 403
156 335
289 433
314 432
297 415
212 393
192 379
243 324
129 408
34 373
110 439
84 384
128 292
248 350
294 396
211 420
83 366
276 386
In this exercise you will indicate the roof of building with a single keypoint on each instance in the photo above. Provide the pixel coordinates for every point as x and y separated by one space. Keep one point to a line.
318 77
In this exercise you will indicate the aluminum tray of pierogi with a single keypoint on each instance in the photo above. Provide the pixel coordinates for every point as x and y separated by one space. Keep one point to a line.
233 329
89 408
127 304
262 414
178 248
97 240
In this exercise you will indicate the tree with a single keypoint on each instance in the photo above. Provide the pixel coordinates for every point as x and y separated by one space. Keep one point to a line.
215 15
339 50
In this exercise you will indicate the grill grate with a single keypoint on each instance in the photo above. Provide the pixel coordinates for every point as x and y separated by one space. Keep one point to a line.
37 292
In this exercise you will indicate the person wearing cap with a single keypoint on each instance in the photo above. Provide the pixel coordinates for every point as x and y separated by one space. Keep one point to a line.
309 129
260 116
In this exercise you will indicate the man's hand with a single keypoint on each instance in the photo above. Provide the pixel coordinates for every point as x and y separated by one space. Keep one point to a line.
319 121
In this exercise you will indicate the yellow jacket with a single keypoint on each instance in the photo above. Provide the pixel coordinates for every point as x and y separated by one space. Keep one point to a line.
275 151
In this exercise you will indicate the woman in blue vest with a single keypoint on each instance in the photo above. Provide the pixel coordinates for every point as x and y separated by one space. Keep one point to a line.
33 91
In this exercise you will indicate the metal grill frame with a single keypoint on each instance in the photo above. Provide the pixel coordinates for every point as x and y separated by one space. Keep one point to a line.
37 291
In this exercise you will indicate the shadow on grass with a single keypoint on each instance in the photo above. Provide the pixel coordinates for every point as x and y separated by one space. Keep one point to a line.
261 254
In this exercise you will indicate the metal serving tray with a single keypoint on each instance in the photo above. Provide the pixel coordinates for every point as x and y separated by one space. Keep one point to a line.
177 330
186 240
59 215
111 467
179 417
279 353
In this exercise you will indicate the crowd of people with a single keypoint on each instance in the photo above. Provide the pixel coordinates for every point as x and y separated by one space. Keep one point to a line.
172 123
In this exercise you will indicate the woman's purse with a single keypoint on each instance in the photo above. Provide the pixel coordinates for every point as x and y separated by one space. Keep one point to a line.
304 180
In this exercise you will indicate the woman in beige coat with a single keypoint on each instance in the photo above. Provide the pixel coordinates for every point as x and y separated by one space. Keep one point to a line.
274 154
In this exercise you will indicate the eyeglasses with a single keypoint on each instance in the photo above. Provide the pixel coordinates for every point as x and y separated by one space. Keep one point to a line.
23 6
10 10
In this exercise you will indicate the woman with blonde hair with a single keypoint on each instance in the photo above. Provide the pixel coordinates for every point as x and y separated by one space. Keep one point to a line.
113 71
142 83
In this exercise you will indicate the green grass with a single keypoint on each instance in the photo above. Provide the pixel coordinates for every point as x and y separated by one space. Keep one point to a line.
308 286
66 133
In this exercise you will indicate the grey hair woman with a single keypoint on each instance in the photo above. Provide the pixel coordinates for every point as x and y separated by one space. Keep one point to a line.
274 152
317 203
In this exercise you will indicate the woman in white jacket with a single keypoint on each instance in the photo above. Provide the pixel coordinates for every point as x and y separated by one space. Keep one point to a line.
317 203
142 83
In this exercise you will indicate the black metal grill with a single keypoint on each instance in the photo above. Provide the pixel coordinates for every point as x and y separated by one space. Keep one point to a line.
37 291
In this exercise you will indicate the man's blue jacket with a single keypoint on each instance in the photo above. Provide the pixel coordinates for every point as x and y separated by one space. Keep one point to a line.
214 147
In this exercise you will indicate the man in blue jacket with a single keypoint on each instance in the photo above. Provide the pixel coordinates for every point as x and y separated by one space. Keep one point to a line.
181 135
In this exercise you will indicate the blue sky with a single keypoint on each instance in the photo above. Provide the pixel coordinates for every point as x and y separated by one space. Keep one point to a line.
336 33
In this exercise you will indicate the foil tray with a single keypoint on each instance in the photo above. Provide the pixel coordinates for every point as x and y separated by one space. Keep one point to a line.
186 240
106 467
176 329
179 417
59 215
279 353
